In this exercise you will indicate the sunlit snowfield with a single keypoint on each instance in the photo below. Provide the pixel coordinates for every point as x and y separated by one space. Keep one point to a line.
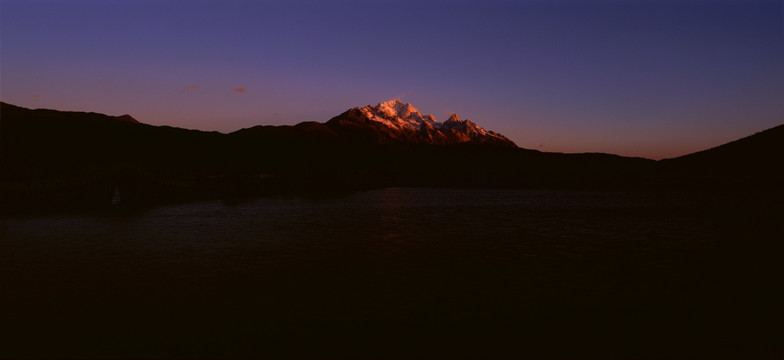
400 272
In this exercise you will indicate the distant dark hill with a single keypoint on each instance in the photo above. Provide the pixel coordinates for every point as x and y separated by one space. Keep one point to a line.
751 161
302 134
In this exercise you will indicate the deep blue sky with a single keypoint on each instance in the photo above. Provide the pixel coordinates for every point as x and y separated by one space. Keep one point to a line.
641 78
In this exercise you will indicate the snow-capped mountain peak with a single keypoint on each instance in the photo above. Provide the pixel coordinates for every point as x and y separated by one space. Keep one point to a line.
404 121
396 114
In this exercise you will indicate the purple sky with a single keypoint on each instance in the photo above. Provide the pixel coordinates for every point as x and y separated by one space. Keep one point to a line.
650 78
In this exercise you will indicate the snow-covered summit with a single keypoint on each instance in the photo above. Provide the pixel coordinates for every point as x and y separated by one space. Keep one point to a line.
394 121
401 116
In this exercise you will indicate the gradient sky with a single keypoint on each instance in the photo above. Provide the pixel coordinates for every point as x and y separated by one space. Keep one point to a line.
648 78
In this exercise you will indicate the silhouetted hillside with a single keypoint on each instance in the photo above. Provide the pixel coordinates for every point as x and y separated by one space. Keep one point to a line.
44 143
751 161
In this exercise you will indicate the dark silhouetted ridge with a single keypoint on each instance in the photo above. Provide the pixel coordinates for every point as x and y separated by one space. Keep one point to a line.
58 160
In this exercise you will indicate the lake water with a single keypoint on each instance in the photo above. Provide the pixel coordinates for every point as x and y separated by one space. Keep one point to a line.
400 273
